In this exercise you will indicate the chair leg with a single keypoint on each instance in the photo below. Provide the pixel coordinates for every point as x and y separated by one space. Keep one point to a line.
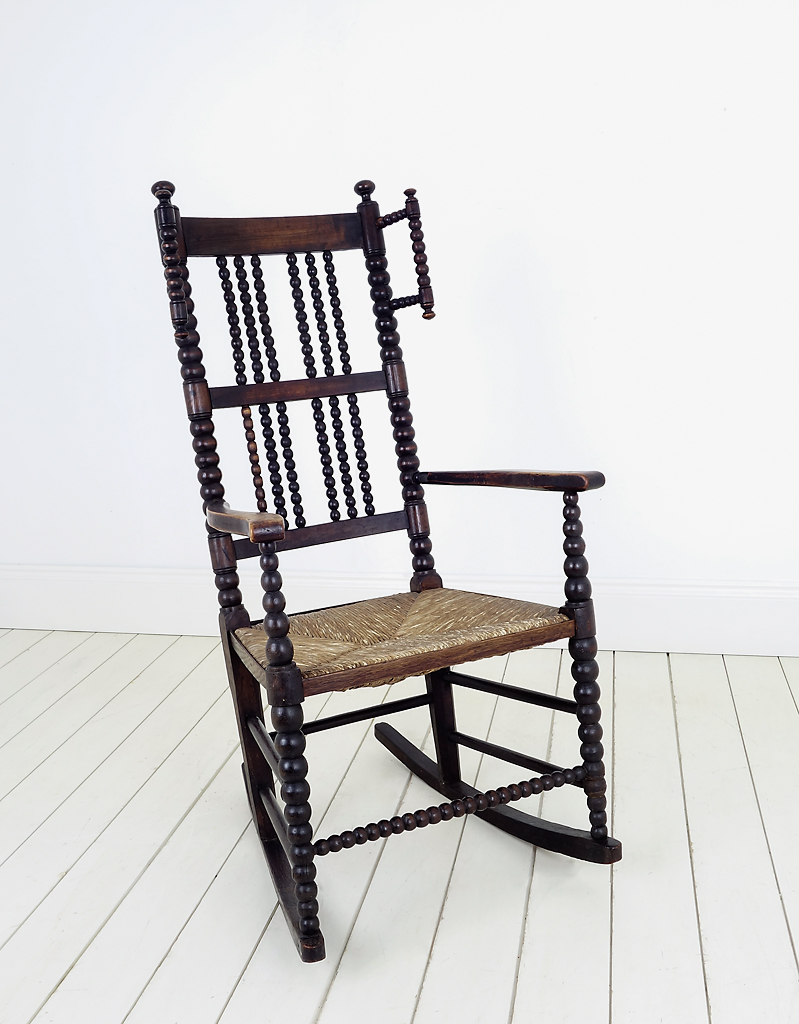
302 914
585 672
444 775
286 842
247 703
442 717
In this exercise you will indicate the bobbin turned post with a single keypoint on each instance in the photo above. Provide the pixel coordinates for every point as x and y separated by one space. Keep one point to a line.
197 397
585 670
424 575
419 254
285 695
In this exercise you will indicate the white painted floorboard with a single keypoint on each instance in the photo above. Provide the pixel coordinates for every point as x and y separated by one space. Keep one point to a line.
567 897
133 888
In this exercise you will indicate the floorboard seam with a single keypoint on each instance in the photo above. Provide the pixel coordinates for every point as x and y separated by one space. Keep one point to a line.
788 684
690 842
321 821
449 881
46 668
112 752
612 825
378 858
247 963
525 918
109 823
133 884
81 726
760 813
188 919
25 649
66 693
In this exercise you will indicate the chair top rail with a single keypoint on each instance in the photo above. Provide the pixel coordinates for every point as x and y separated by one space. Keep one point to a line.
250 236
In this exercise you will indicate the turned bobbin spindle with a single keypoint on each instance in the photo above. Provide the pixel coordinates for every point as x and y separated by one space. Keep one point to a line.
419 254
264 412
335 407
585 669
322 441
198 405
284 688
447 811
352 400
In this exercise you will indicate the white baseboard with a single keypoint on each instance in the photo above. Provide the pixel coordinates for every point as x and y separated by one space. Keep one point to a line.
713 617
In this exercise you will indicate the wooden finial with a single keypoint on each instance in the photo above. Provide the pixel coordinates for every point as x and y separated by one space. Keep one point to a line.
163 191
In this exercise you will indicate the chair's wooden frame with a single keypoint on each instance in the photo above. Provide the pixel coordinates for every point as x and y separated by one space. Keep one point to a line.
283 818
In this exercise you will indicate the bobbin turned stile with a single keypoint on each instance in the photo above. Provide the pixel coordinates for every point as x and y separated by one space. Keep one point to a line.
423 632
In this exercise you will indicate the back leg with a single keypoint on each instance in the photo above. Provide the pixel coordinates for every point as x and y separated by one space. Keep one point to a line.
442 717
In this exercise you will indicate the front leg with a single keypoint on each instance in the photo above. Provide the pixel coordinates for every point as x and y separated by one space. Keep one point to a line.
585 670
285 694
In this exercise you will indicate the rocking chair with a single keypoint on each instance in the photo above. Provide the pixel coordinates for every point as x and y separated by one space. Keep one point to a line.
425 631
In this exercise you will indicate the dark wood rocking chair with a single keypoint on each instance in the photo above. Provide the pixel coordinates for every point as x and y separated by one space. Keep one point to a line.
422 632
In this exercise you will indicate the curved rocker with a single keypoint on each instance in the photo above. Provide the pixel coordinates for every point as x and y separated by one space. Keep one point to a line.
311 948
546 834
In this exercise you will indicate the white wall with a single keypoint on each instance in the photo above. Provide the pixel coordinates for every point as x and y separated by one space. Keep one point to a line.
609 195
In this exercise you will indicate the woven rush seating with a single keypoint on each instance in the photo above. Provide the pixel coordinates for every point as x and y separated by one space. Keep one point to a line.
386 639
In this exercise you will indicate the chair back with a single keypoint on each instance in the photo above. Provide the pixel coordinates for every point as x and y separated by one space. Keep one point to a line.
307 245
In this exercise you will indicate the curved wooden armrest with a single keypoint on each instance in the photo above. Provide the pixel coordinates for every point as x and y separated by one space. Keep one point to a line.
260 527
518 478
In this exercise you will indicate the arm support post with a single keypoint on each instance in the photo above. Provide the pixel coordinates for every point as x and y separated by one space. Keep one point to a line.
520 479
585 670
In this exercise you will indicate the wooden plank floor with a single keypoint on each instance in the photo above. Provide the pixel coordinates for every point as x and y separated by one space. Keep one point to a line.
132 887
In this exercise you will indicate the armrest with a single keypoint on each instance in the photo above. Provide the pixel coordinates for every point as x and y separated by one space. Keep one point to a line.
518 478
260 527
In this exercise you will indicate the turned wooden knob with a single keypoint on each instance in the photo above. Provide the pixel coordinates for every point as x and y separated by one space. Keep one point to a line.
163 189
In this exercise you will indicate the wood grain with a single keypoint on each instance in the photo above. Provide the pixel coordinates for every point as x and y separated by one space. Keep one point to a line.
528 480
297 390
249 236
258 527
324 533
